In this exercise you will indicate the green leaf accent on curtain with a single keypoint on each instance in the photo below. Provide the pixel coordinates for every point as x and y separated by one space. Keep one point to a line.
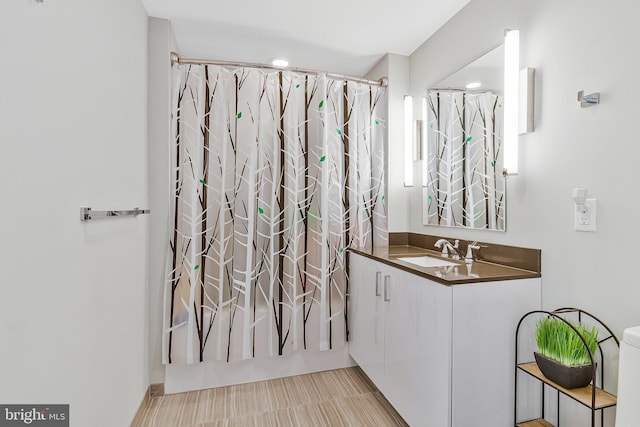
493 164
377 122
383 197
323 158
321 104
240 115
298 85
196 267
341 250
469 139
430 197
261 210
202 181
338 131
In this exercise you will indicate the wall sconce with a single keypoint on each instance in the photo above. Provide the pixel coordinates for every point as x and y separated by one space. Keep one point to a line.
511 75
417 140
525 100
408 141
425 154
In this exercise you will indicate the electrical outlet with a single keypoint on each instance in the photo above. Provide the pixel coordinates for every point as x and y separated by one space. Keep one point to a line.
585 216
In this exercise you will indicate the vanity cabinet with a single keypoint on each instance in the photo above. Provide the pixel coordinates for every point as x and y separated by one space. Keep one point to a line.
441 354
399 335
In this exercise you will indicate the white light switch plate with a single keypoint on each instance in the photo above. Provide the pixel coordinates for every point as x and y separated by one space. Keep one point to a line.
585 221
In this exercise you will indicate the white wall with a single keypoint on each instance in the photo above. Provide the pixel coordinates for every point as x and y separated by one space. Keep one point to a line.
571 147
573 45
161 44
73 132
396 69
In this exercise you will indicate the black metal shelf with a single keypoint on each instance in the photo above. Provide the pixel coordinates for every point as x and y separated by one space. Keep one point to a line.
593 396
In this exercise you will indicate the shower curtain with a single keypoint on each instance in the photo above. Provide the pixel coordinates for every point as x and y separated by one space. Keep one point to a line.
275 175
465 186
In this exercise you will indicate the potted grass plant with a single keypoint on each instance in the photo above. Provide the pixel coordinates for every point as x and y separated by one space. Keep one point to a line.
562 355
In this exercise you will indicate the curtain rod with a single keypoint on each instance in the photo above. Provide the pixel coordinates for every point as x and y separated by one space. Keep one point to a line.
175 59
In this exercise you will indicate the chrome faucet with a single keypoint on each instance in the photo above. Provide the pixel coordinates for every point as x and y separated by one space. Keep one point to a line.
448 247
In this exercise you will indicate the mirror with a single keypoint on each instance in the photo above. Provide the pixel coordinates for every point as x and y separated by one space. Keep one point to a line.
463 181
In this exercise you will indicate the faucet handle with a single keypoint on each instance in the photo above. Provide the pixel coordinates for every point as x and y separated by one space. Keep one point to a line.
470 247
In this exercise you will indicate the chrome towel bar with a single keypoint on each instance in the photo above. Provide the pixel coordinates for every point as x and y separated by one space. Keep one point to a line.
86 213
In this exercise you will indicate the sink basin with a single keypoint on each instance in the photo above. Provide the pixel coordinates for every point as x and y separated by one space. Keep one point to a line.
427 261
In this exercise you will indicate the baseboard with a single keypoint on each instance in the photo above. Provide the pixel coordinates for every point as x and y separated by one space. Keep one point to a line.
155 390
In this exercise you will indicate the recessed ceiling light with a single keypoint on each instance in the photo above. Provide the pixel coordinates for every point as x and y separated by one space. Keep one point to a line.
280 62
474 85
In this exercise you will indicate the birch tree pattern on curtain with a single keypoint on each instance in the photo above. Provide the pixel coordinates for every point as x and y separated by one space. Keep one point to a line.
465 184
276 174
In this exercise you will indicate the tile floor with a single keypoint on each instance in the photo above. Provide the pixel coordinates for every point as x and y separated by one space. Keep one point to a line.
342 397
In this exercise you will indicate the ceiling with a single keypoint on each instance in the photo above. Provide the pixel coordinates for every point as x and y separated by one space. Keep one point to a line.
340 36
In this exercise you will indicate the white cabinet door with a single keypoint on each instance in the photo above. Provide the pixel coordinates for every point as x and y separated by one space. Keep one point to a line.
485 316
418 345
366 332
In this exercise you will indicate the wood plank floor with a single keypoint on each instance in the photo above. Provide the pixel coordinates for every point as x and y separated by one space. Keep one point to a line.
342 397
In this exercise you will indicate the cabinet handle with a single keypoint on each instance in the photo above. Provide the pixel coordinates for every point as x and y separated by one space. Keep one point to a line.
378 277
387 293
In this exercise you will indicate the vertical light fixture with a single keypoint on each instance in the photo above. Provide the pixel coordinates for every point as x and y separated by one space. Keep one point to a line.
425 152
408 141
511 74
525 100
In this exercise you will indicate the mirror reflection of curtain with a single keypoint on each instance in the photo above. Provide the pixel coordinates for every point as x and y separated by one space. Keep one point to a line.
465 184
275 175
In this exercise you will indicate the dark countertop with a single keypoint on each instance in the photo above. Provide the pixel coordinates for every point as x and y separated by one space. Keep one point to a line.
478 271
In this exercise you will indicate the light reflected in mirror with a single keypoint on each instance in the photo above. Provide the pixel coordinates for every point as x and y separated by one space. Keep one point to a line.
463 182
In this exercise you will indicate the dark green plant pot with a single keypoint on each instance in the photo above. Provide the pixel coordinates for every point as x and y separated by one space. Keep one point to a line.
566 376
